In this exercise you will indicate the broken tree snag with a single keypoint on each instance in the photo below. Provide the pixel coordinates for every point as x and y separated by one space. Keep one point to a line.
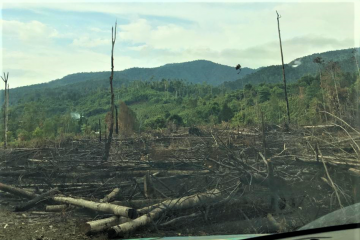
6 106
104 224
101 207
206 198
110 196
283 70
148 186
111 127
33 202
355 175
120 230
17 191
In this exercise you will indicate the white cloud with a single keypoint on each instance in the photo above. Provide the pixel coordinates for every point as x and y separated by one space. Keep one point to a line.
28 31
90 42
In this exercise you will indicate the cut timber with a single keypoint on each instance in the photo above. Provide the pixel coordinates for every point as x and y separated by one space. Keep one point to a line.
186 202
17 191
110 196
104 224
101 207
121 229
33 202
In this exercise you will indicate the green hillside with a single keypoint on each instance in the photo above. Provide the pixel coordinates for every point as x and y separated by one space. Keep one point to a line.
296 69
75 109
199 71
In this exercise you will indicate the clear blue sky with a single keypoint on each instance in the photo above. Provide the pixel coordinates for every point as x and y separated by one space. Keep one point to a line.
46 41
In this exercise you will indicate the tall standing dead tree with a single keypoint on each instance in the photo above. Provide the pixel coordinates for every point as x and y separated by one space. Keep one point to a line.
283 69
111 129
319 61
5 78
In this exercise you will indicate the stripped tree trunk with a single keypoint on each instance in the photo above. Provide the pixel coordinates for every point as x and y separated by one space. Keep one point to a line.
146 219
283 69
111 128
102 207
104 224
5 78
186 202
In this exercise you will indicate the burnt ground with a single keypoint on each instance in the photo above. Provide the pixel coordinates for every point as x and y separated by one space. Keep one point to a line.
181 164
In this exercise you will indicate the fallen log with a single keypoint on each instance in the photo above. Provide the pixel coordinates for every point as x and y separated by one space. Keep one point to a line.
104 224
185 202
120 230
139 203
33 202
110 196
17 191
102 207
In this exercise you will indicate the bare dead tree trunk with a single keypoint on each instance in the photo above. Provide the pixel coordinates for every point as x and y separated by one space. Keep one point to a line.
283 68
5 78
111 128
319 61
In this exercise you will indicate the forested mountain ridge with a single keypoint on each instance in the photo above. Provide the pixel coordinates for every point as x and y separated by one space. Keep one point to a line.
297 68
198 71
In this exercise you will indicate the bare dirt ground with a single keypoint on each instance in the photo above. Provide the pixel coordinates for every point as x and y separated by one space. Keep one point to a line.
289 187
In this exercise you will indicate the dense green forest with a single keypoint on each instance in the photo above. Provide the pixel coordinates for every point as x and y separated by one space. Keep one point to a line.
63 111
